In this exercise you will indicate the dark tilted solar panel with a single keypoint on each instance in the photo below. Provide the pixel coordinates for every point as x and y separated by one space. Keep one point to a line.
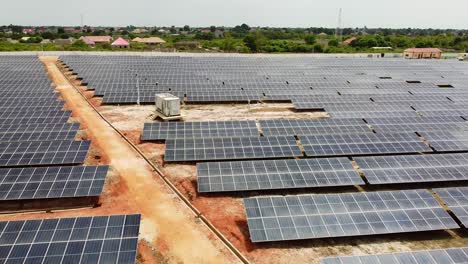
275 174
17 115
231 148
347 214
42 153
312 127
221 98
414 120
369 114
95 239
51 182
299 131
280 123
174 130
37 136
447 141
456 198
445 256
36 128
414 168
393 128
32 106
360 144
455 113
35 120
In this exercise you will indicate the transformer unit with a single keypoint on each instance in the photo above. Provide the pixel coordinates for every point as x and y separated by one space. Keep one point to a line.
168 105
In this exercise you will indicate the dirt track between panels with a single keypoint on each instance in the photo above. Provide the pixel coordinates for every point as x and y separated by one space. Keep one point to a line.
168 226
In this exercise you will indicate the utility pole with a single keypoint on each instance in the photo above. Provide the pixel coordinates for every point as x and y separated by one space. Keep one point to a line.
338 31
81 24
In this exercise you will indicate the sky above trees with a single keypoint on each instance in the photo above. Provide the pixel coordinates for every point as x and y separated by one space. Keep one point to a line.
274 13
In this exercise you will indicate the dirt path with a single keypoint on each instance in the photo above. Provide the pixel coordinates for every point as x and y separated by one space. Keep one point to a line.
166 222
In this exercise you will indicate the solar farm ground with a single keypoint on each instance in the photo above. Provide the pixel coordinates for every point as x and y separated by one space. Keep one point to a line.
227 213
169 231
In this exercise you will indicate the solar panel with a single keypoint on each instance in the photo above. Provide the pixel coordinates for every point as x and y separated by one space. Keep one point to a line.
42 153
414 120
414 168
447 141
393 128
37 128
275 174
96 239
362 144
277 218
456 198
174 130
40 136
446 256
231 148
314 130
35 120
51 182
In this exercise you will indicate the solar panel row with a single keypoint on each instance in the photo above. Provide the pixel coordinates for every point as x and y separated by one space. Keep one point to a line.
347 214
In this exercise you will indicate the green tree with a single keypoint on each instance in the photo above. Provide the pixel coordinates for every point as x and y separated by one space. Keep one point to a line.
79 44
318 48
310 39
48 35
333 42
254 41
228 44
187 28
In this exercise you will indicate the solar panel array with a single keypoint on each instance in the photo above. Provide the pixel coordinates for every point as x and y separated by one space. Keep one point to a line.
275 174
456 199
362 144
347 214
51 182
242 79
231 148
446 256
414 168
173 130
37 145
97 239
377 108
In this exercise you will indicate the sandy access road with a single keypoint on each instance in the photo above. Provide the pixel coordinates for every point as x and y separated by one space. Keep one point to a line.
165 219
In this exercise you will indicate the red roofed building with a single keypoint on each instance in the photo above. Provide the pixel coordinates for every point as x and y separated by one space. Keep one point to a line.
93 40
422 53
120 43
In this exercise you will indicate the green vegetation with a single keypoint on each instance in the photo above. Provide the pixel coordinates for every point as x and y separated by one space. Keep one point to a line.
243 39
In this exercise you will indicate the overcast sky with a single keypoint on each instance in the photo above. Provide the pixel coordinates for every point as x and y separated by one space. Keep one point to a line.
279 13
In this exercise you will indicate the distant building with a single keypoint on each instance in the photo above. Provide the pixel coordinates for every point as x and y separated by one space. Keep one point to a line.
120 43
422 53
140 31
29 31
150 41
93 40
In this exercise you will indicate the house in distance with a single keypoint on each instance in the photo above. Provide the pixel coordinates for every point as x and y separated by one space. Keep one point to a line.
422 53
